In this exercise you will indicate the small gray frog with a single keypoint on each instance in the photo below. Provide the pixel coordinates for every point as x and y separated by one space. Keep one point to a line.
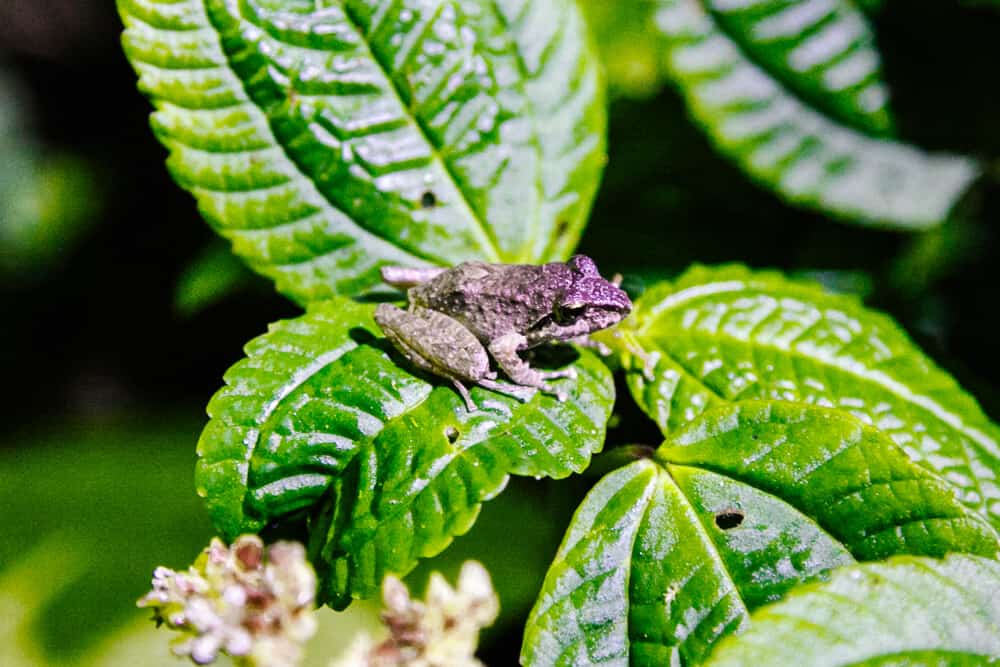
458 318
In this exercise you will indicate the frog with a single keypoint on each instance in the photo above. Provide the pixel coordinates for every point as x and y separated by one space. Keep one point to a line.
459 318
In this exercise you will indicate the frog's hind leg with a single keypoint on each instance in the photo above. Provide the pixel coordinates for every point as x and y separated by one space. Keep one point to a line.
469 405
404 277
504 349
522 394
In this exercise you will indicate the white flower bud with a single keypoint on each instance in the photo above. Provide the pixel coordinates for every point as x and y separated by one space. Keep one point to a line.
249 602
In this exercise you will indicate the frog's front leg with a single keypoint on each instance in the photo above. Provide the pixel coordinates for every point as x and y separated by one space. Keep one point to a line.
591 344
505 350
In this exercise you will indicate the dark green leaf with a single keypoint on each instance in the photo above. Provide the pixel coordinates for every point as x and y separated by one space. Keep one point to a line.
665 557
325 141
768 81
580 616
422 479
851 479
907 611
322 391
293 412
823 52
727 334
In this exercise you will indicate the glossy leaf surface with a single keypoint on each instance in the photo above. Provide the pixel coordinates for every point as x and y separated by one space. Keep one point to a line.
907 611
319 391
326 139
422 479
667 556
822 51
770 82
726 334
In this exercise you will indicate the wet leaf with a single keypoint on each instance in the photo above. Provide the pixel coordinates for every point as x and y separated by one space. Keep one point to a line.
719 335
327 140
323 417
791 90
667 556
907 611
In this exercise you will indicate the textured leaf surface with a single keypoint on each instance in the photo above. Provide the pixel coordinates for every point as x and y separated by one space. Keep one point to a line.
823 51
327 138
769 80
666 556
727 334
321 390
908 611
422 479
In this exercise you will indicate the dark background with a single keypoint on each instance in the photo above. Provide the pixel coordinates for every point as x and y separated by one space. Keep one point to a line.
92 337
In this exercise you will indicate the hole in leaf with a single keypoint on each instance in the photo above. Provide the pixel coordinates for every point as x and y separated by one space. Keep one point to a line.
428 199
561 227
729 519
452 434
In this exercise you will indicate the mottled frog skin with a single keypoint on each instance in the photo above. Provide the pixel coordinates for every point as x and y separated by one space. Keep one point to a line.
504 308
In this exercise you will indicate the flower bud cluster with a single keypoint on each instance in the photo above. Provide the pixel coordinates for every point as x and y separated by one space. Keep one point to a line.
250 602
441 632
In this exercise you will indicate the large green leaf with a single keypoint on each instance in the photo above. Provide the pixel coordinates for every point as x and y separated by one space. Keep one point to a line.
321 401
908 611
666 556
726 334
422 479
822 51
327 138
773 82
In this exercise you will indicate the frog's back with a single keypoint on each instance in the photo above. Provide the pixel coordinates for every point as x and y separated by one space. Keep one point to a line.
494 299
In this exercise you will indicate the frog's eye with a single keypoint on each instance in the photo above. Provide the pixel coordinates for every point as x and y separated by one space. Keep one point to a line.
569 315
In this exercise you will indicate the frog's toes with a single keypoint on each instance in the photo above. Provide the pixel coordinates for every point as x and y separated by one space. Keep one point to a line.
554 375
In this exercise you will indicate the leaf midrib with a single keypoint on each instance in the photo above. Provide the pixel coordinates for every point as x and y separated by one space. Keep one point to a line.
492 244
782 80
526 75
890 385
489 245
457 454
707 542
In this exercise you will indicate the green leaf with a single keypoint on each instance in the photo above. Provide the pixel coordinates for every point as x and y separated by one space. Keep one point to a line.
666 556
907 611
327 139
822 52
293 412
422 480
778 86
725 334
322 404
